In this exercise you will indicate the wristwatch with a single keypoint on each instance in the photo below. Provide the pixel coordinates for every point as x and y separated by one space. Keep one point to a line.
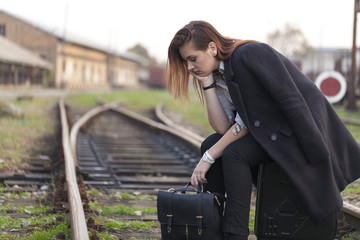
210 86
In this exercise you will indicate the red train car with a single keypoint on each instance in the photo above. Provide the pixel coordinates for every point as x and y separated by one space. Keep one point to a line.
157 77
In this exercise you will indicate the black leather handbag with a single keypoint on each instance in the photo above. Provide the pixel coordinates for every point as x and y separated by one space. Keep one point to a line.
189 214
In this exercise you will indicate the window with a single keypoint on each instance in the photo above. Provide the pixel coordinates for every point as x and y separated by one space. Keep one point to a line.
2 30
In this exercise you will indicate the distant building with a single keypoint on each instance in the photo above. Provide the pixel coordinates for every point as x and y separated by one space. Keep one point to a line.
324 59
75 65
20 67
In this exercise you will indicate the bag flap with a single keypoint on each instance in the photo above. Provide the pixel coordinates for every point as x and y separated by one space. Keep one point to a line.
184 208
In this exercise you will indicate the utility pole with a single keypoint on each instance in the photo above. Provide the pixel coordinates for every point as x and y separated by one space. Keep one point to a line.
351 103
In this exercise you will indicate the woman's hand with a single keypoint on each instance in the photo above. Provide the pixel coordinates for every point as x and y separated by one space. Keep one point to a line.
206 80
199 173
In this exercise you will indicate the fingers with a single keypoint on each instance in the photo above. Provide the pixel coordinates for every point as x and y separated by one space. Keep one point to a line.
208 78
196 178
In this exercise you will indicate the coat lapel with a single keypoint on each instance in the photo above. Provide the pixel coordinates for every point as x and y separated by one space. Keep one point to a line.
234 90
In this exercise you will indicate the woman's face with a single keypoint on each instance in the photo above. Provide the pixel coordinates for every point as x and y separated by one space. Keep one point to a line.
200 62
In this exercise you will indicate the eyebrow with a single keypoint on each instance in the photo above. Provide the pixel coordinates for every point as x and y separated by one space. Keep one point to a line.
190 56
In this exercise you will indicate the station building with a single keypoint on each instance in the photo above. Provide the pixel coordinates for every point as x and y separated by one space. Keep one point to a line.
73 65
20 67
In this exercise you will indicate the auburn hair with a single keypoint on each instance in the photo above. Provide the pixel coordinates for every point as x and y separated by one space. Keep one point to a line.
201 33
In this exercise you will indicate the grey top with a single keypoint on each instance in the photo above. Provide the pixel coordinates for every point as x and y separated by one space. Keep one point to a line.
223 94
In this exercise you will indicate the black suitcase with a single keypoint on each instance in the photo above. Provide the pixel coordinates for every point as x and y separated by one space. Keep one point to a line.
279 212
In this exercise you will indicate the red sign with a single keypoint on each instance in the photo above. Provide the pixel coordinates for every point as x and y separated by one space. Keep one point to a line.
332 84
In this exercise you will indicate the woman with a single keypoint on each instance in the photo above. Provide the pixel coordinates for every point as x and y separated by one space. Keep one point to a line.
262 109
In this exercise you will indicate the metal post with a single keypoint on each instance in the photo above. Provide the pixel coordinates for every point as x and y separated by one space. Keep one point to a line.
351 104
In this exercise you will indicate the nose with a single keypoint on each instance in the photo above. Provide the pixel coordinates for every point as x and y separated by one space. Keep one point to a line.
190 66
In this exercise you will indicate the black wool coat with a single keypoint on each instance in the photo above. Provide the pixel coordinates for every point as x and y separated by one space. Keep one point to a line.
295 124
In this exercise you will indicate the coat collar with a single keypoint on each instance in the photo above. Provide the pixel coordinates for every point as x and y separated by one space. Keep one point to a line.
229 73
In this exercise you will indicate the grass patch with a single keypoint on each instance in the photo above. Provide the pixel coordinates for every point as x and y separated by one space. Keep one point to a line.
252 219
119 224
121 209
17 136
195 113
33 210
141 100
348 237
124 196
131 225
51 232
130 196
41 226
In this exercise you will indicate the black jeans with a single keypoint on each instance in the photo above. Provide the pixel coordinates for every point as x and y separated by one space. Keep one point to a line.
234 173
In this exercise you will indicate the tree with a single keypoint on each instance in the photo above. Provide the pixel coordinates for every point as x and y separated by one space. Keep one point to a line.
289 41
142 51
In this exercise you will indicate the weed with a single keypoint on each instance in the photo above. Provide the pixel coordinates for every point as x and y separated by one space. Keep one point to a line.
26 209
93 191
129 196
106 236
141 238
51 232
252 218
18 136
121 209
131 225
125 210
11 237
348 237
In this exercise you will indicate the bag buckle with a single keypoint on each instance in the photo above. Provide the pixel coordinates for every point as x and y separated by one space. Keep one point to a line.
187 232
199 224
169 216
217 200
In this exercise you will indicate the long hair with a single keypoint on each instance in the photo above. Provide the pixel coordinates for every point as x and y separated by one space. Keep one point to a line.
201 33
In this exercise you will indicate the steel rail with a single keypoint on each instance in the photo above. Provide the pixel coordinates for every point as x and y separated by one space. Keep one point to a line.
154 124
351 210
81 122
159 109
78 223
351 121
167 124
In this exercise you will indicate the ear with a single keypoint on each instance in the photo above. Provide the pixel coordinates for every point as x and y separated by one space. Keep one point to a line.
212 48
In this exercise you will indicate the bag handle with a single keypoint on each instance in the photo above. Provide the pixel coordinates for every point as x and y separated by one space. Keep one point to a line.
187 188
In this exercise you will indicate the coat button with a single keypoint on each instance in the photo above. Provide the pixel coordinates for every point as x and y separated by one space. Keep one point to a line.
257 123
274 137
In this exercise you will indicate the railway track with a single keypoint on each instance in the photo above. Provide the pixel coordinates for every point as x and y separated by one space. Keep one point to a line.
116 150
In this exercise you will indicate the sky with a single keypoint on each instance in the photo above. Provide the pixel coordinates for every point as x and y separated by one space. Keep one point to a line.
117 25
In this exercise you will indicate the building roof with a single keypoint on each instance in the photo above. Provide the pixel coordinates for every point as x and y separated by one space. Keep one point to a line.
11 52
72 39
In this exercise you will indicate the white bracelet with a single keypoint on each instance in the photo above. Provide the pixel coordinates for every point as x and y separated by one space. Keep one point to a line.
208 158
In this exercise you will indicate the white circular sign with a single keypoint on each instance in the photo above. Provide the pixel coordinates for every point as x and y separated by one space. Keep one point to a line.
332 84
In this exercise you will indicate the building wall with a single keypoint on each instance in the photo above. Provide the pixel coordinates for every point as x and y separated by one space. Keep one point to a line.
30 37
14 75
122 72
75 65
79 67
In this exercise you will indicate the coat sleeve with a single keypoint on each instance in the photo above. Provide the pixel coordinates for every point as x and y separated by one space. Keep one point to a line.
268 68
